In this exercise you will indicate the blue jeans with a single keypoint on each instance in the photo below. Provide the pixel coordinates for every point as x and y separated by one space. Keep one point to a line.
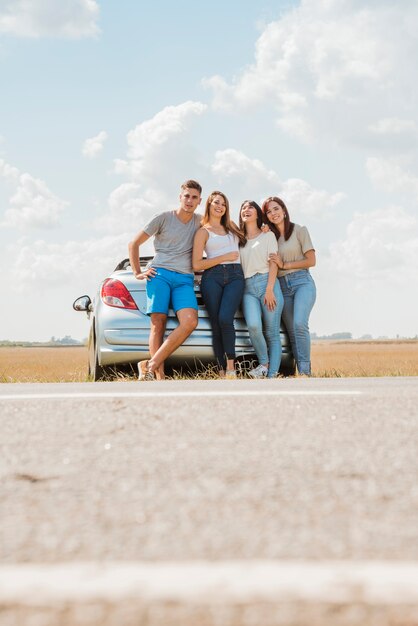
263 325
222 287
299 293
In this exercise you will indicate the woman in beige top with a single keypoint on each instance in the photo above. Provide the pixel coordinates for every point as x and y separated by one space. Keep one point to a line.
295 256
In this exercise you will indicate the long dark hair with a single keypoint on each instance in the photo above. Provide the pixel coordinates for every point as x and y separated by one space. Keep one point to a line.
288 225
260 217
229 226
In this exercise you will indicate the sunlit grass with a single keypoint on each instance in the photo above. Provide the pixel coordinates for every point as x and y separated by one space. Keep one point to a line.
335 359
43 364
329 360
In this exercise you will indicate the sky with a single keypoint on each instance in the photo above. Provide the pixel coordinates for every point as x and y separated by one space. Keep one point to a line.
107 107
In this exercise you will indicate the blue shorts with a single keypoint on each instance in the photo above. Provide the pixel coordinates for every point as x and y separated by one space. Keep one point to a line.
169 289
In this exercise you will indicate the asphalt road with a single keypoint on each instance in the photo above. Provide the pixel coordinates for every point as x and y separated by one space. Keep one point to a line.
311 469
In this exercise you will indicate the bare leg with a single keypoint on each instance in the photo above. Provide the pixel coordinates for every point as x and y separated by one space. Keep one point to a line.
187 323
156 337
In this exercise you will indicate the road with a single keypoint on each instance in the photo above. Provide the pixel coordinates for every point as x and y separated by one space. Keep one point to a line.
312 470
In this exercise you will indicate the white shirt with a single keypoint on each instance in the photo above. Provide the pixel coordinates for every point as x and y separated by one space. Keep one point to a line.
255 254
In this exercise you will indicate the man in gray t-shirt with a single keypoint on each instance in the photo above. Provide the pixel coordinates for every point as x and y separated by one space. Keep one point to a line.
170 278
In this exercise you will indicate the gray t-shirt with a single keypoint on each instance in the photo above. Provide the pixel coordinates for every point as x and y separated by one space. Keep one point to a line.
173 241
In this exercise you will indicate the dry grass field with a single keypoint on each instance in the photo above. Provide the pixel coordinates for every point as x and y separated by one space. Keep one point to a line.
42 365
329 359
365 358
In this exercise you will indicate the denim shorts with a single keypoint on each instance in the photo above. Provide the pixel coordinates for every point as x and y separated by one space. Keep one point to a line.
169 289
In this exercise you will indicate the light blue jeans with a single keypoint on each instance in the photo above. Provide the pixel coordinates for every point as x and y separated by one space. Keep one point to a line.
299 294
263 325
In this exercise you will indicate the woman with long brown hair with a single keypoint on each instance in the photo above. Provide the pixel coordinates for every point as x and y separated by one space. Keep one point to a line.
295 256
222 282
262 301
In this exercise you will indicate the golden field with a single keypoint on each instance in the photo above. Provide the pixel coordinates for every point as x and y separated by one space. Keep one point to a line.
42 365
365 358
329 359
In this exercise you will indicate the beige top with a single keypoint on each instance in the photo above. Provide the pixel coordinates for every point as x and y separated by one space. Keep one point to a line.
255 254
295 247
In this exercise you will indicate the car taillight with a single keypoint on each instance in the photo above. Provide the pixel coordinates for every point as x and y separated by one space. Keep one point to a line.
114 293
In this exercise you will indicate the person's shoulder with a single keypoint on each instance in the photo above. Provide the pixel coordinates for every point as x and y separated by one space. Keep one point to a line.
270 235
160 216
202 231
300 229
165 217
153 224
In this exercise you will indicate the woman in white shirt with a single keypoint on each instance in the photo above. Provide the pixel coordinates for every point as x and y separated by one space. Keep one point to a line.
222 282
295 256
262 302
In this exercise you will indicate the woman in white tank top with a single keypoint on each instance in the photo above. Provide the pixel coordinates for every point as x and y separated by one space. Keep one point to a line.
222 282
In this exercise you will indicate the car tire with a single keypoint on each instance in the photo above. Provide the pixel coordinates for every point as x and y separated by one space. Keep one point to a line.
96 372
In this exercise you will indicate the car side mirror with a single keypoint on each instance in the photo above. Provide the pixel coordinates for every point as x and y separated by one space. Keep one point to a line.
83 303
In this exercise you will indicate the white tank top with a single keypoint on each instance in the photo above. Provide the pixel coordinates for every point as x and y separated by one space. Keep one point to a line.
217 245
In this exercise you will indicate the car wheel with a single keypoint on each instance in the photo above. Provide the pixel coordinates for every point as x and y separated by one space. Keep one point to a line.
96 372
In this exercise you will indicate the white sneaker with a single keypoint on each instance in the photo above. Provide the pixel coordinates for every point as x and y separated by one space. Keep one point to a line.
258 372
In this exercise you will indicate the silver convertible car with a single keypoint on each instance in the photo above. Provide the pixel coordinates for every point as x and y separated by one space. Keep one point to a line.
119 330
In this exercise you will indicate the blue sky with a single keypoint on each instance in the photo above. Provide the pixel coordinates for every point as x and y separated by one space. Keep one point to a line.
106 108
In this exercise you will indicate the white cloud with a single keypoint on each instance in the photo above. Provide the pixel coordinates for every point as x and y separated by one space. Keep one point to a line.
379 244
242 178
389 175
307 201
146 139
50 264
94 145
250 178
130 207
366 281
332 69
231 162
158 152
49 18
157 146
32 205
393 126
9 172
171 121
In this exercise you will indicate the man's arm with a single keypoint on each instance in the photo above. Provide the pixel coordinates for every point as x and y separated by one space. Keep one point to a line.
133 247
